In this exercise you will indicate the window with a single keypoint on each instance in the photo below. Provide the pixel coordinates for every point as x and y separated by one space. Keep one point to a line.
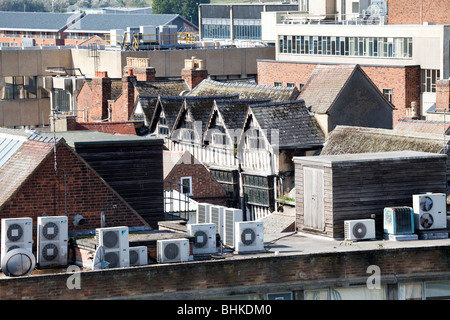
61 100
18 88
258 190
290 85
163 129
254 139
347 46
277 84
300 86
388 94
355 7
219 136
186 185
428 79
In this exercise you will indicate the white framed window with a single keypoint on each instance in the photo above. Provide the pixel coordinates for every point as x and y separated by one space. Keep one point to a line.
388 94
428 79
186 186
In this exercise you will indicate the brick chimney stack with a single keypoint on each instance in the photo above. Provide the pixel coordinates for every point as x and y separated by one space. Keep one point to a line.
128 93
101 90
194 71
141 69
442 95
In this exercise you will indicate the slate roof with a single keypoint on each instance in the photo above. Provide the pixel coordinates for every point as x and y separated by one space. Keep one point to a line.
324 85
105 22
210 87
171 106
43 21
21 163
234 111
424 126
349 140
164 87
296 126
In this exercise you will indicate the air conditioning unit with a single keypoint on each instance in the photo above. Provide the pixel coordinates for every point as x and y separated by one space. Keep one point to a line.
52 237
430 211
138 256
176 250
249 236
204 237
203 210
398 220
115 243
216 217
230 217
362 229
17 233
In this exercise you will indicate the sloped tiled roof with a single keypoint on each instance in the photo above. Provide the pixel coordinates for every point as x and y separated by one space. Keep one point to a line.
294 124
116 87
148 104
324 86
164 87
424 126
210 87
106 22
171 106
348 140
44 21
22 163
233 112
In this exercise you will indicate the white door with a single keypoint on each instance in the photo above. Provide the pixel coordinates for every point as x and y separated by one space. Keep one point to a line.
313 202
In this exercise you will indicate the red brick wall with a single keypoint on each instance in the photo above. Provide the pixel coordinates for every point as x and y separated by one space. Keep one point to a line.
108 127
84 101
443 94
404 81
209 279
205 187
270 72
193 77
418 11
73 186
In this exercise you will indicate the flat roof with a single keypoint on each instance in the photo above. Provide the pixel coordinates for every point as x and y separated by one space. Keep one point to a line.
329 160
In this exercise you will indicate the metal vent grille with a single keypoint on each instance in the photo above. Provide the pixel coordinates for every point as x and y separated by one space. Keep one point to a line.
215 216
229 227
403 219
201 214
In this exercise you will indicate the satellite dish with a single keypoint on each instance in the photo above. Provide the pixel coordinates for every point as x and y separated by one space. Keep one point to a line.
99 259
18 262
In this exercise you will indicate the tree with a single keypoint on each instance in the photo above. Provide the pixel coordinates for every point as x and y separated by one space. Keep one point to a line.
186 8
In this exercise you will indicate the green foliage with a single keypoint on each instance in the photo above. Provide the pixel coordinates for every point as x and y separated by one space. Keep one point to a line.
186 8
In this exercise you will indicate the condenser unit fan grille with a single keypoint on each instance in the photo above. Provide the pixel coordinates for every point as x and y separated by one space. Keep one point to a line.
14 232
110 239
426 220
426 203
359 230
50 231
50 252
171 251
200 239
134 257
248 236
113 259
